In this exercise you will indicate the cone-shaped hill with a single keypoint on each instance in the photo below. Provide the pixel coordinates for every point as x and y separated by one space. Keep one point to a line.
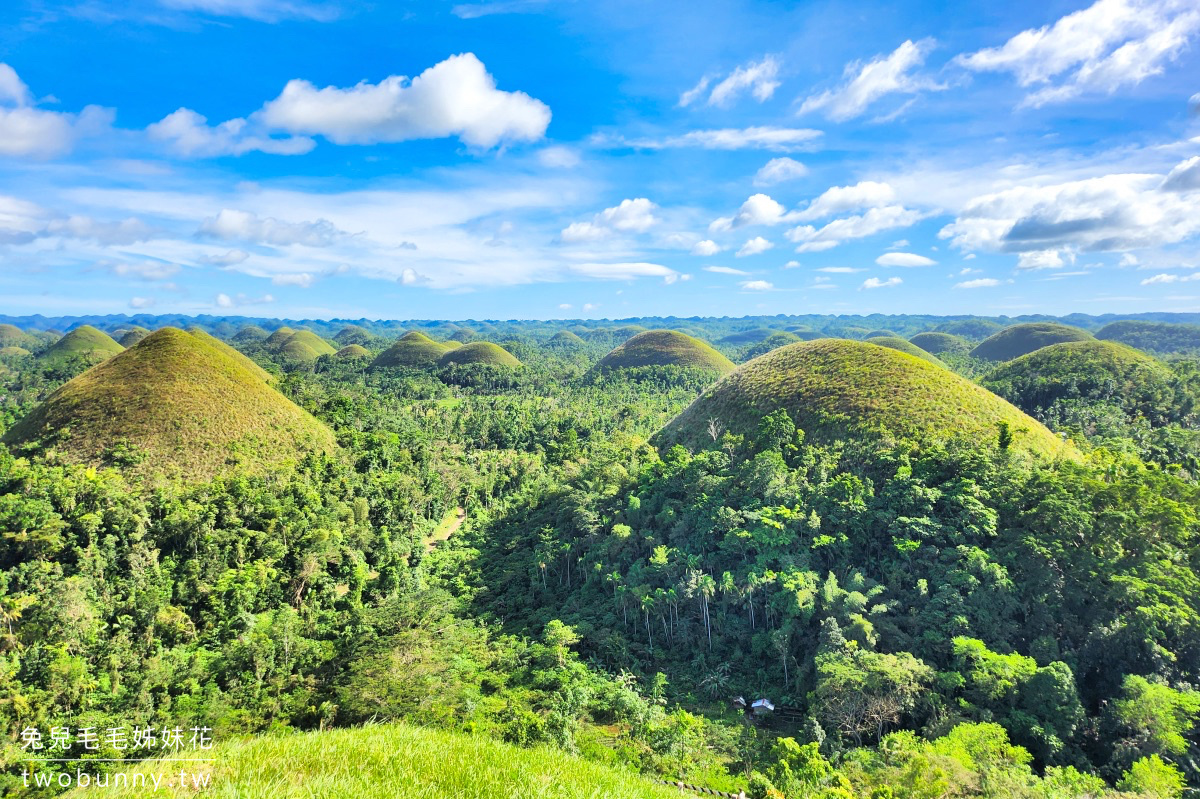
414 350
276 340
565 338
84 342
12 336
132 336
973 329
1013 342
306 346
838 389
1160 337
355 334
665 348
484 352
749 336
249 335
936 343
1087 370
900 345
179 403
353 351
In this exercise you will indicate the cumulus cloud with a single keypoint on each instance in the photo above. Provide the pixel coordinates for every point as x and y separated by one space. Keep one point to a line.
22 222
140 303
233 225
754 246
631 216
223 300
228 258
1184 177
866 83
725 270
758 78
1169 278
31 132
978 283
1099 49
875 220
624 271
876 283
759 209
188 134
457 97
840 199
756 285
706 247
904 259
779 170
1047 224
301 279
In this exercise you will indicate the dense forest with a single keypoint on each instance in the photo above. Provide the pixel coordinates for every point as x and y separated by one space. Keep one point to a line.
969 572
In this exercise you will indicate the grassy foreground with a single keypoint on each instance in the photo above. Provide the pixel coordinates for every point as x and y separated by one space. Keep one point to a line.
389 761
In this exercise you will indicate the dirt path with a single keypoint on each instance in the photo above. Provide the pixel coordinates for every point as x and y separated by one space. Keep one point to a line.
446 529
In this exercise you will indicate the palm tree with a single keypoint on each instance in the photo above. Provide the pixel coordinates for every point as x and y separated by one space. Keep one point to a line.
708 587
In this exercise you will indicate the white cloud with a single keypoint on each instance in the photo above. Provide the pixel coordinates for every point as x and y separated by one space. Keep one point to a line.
706 248
233 225
725 270
756 285
779 170
411 277
1102 48
301 279
558 157
631 216
1167 278
1047 224
85 228
904 259
839 270
30 132
188 134
875 220
876 283
757 77
223 300
840 199
457 97
754 246
229 258
624 271
758 209
141 270
139 303
866 83
262 10
1184 177
564 306
816 246
760 137
978 283
1128 259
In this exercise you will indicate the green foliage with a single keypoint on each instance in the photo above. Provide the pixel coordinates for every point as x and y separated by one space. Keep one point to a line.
1151 777
484 353
414 349
1158 337
899 344
84 344
936 343
665 348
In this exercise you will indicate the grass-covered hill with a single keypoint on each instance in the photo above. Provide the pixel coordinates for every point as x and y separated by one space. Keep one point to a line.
883 333
900 345
85 343
355 334
414 349
1013 342
132 336
479 352
1084 370
353 351
177 402
565 338
1158 337
936 343
13 336
277 339
387 761
779 338
250 334
748 336
666 348
973 329
13 352
305 346
838 389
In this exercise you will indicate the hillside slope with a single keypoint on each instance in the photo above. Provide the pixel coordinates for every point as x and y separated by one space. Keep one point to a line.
666 348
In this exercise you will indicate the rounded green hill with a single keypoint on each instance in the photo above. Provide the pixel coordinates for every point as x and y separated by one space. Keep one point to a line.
85 343
305 346
414 350
836 389
1159 337
353 351
973 329
749 336
176 403
12 336
883 333
13 352
249 335
484 352
565 338
354 334
780 338
900 345
1087 370
1013 342
935 343
666 348
132 336
276 340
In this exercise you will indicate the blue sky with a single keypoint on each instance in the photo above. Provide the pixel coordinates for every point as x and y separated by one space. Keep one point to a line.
529 159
